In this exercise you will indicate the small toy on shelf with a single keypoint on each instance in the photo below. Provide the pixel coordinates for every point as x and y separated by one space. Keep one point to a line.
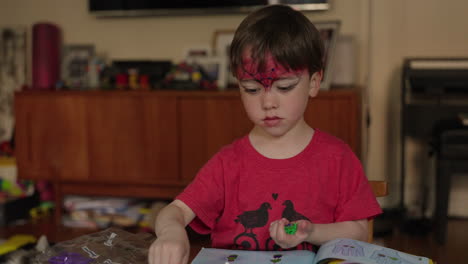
15 242
189 76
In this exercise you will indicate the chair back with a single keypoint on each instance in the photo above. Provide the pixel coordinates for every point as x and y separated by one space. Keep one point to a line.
380 189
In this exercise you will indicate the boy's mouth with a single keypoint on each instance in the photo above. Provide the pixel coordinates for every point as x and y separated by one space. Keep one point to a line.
271 121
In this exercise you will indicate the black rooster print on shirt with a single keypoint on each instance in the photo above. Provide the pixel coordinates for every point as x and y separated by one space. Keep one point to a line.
290 214
253 219
258 219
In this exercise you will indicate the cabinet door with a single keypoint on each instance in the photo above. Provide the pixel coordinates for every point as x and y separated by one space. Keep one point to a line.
51 136
133 139
338 114
208 123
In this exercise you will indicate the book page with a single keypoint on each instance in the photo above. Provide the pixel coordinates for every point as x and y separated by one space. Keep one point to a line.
354 251
226 256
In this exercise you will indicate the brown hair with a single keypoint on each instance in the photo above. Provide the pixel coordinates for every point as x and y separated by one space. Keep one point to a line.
283 32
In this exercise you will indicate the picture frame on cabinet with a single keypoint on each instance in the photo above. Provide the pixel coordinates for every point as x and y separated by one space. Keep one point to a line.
197 50
221 44
13 59
75 63
329 31
13 64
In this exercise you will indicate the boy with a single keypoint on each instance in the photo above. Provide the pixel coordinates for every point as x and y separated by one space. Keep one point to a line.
283 171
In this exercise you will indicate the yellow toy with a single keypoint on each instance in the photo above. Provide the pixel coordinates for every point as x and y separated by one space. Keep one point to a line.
15 242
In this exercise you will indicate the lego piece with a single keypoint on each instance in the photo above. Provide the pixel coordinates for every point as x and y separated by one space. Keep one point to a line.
290 228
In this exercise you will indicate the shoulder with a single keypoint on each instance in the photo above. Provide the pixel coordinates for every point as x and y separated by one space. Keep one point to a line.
233 151
330 146
338 157
222 163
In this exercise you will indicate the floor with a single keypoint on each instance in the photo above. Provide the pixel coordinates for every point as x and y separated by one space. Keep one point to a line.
454 251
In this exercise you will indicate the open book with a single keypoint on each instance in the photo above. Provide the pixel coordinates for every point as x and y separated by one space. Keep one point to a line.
343 251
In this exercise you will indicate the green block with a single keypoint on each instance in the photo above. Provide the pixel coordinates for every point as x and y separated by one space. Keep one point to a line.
290 229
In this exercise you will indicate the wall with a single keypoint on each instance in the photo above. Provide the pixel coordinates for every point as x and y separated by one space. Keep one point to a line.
385 31
406 29
145 38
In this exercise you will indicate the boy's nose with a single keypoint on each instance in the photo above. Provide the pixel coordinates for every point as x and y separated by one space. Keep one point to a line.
269 100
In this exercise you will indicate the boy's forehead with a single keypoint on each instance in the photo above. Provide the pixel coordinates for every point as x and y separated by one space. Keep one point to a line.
270 63
272 69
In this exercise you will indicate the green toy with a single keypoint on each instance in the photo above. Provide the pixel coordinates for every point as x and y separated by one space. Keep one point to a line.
290 228
232 258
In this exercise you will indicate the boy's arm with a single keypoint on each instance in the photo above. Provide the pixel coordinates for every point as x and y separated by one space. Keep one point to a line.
175 213
318 234
322 233
172 244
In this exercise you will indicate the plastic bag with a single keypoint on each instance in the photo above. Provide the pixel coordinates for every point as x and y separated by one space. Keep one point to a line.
111 246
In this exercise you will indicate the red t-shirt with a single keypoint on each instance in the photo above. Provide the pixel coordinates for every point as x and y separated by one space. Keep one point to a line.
239 192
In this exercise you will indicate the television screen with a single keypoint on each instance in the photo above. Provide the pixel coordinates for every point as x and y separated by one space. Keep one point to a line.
194 7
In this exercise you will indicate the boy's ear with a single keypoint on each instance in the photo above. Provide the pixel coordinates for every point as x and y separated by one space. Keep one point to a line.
314 83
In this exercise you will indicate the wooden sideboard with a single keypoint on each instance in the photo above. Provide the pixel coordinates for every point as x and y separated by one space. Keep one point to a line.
147 144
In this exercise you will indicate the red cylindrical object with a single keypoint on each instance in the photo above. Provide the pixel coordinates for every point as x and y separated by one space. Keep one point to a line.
47 44
121 81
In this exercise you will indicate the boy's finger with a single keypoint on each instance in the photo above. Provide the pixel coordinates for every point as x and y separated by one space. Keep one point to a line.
158 257
281 235
185 259
275 224
271 226
152 255
180 259
303 226
176 258
165 258
273 230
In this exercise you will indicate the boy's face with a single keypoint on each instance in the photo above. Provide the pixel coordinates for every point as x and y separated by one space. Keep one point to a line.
275 99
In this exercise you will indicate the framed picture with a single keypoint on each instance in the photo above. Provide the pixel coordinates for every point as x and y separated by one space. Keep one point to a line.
213 66
329 31
75 61
221 43
197 50
12 75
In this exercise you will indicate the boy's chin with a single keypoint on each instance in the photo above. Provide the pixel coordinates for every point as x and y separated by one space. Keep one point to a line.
275 132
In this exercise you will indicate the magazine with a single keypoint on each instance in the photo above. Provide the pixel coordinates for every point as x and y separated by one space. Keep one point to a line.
343 251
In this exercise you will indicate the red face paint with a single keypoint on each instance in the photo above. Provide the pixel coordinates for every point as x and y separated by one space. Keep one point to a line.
273 71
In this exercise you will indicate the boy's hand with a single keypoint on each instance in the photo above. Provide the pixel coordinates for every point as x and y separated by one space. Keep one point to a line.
172 247
278 234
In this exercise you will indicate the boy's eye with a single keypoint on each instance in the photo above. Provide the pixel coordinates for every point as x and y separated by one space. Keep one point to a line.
285 88
251 90
250 86
286 85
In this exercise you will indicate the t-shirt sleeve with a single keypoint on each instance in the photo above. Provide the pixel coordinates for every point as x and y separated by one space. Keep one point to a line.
205 195
356 199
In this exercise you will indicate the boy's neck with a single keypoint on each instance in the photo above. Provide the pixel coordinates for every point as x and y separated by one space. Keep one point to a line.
282 147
